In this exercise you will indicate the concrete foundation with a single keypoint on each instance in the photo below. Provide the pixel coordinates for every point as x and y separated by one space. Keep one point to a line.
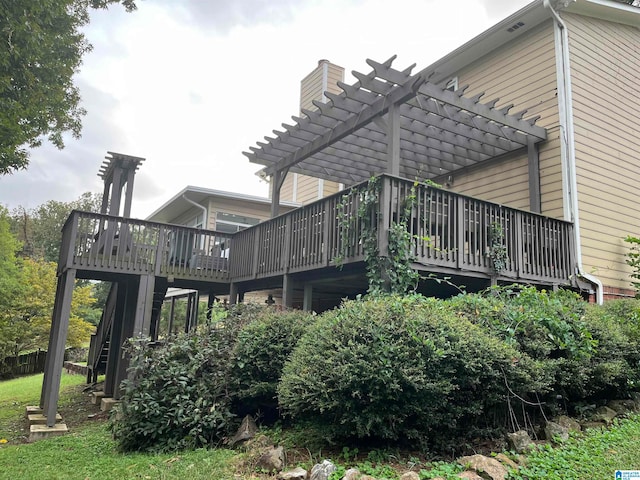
96 397
38 432
40 419
107 404
32 409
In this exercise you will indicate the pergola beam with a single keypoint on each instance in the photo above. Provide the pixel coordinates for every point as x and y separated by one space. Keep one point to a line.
395 122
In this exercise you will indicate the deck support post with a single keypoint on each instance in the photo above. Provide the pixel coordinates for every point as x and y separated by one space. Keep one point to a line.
57 340
211 300
116 339
172 313
240 297
144 305
287 291
128 331
233 293
308 297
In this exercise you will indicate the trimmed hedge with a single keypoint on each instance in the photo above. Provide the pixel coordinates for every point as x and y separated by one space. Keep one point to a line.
398 367
261 349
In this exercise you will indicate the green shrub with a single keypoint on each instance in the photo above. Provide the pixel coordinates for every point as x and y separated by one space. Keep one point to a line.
616 326
398 367
177 395
548 327
261 350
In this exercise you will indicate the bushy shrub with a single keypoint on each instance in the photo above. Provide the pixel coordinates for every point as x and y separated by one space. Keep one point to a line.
260 352
616 364
397 367
548 327
177 394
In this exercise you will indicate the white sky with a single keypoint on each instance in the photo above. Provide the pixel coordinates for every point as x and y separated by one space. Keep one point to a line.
190 85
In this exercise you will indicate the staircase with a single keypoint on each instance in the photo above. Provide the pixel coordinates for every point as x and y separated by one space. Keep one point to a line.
99 346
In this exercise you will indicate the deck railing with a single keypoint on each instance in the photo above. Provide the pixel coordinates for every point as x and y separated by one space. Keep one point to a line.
450 231
98 242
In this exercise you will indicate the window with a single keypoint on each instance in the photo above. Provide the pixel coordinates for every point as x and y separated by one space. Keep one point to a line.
231 223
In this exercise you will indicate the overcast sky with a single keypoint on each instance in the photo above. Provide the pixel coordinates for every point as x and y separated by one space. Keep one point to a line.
189 85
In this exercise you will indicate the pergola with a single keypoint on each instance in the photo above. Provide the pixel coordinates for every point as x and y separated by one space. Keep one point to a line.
390 121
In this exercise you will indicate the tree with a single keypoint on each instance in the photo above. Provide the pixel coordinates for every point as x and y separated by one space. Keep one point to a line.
42 47
26 323
40 229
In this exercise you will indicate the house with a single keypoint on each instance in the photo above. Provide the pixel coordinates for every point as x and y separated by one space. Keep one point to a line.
536 156
572 65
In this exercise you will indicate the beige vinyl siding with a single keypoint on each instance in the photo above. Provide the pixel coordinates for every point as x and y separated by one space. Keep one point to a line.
605 70
330 188
286 192
523 73
503 182
307 189
246 209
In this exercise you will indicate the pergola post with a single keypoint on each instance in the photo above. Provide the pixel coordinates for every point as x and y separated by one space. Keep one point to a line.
393 141
277 179
533 154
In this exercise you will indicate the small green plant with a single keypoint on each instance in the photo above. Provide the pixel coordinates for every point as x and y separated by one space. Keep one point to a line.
633 260
446 471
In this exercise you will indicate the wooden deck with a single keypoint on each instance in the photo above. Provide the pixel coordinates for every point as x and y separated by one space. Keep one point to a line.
451 234
97 244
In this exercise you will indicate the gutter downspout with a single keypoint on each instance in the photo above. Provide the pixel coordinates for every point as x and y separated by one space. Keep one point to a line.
205 218
570 185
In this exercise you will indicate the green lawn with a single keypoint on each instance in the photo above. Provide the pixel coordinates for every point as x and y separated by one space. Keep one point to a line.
88 451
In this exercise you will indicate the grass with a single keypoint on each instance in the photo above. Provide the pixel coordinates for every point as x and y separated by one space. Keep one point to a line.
596 454
89 452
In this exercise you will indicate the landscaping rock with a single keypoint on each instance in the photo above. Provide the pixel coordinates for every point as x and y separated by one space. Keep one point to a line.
622 406
571 424
490 466
410 476
521 441
554 431
588 425
272 460
366 477
470 475
604 414
352 474
247 431
506 461
295 474
321 471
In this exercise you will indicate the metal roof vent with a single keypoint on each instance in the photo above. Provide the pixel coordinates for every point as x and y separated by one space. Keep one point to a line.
515 27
